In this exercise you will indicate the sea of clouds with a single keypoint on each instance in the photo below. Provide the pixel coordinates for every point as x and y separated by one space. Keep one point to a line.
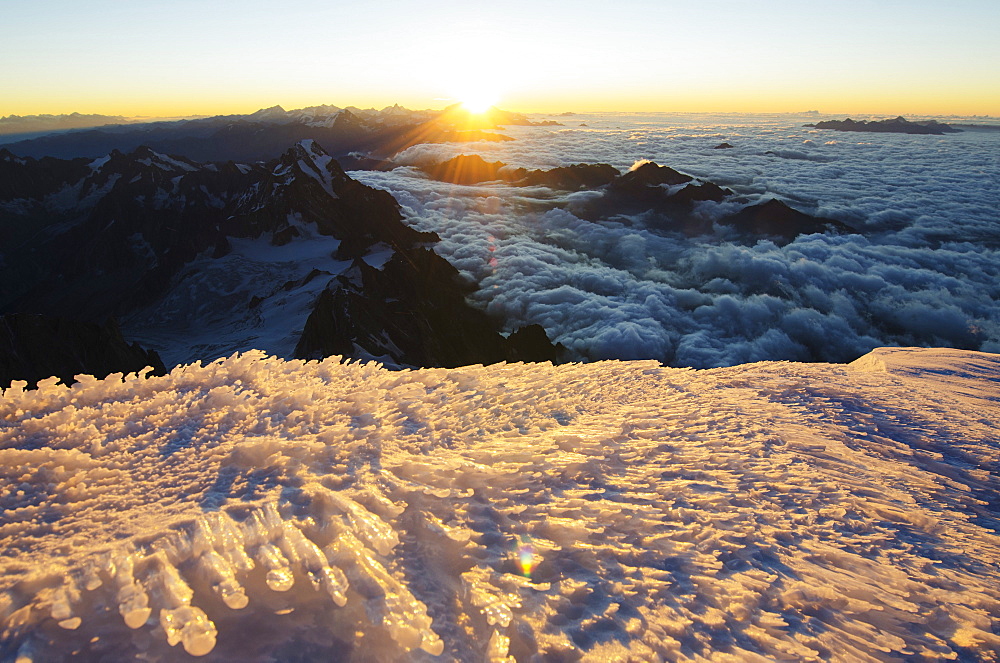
922 268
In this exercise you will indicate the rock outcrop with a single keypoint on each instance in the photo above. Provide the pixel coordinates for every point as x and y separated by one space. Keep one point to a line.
35 347
663 195
773 218
412 312
572 178
471 169
466 169
898 125
665 198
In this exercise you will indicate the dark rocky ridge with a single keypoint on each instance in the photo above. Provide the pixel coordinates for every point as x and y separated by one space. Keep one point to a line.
665 197
898 125
572 178
107 238
466 169
776 219
416 301
35 347
471 169
31 178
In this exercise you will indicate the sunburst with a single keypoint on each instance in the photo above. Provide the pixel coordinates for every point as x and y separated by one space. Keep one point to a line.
478 101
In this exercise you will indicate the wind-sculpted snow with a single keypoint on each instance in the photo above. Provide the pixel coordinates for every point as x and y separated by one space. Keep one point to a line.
256 509
921 268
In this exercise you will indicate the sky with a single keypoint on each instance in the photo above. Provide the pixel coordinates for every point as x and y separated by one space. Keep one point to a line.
185 57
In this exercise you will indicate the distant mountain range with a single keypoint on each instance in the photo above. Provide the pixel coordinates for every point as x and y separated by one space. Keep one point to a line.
265 134
898 125
201 260
26 126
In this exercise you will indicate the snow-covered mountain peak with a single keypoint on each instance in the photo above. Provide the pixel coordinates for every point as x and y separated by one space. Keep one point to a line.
7 156
316 116
142 158
159 171
308 158
271 114
148 157
307 148
322 109
395 109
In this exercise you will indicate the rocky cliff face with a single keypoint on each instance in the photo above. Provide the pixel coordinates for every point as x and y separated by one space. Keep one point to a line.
412 311
202 260
35 347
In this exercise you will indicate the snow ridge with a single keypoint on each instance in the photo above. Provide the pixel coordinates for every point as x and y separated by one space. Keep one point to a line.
315 163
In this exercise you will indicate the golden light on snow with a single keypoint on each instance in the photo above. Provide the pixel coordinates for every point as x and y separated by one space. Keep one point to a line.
252 508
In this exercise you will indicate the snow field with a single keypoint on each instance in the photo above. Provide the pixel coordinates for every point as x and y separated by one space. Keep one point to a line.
257 509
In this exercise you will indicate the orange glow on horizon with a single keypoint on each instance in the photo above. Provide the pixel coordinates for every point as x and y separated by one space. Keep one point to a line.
61 58
909 103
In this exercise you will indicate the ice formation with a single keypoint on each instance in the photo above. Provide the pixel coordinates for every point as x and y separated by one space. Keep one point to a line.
256 509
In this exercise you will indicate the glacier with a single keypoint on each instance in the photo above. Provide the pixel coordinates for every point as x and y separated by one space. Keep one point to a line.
258 509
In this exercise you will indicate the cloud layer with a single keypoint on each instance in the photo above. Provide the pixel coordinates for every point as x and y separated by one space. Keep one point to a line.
923 269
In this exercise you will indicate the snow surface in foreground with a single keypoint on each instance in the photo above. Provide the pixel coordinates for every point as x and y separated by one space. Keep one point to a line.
256 509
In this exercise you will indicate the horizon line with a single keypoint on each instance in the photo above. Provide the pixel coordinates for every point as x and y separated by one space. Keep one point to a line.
166 117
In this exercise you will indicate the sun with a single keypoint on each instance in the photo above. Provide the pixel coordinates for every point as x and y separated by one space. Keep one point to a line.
478 101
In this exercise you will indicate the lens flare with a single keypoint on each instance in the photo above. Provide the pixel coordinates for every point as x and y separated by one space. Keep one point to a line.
526 556
492 262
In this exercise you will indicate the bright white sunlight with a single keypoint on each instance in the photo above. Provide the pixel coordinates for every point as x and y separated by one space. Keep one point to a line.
477 98
479 102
